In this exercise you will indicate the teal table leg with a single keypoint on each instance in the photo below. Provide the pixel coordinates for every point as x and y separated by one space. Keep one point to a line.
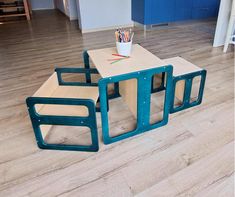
143 102
87 65
162 85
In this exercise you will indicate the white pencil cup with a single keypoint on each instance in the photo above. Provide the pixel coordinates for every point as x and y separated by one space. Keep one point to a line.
124 48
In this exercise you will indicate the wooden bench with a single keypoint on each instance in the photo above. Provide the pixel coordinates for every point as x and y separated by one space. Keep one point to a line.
184 74
59 103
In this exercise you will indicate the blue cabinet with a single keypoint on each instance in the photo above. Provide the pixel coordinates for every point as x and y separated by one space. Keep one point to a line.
163 11
205 9
138 11
205 3
183 10
204 12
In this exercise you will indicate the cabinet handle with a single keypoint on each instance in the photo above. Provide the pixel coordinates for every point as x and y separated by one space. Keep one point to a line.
204 9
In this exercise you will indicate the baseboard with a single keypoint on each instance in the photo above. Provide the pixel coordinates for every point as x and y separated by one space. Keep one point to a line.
69 17
106 28
136 24
73 18
42 9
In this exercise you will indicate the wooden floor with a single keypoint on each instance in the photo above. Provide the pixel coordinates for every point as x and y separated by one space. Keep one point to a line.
191 156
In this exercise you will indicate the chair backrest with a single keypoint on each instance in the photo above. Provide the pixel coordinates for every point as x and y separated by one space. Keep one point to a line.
47 89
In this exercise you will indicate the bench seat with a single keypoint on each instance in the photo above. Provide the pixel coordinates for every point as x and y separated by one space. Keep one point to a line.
70 92
181 66
184 73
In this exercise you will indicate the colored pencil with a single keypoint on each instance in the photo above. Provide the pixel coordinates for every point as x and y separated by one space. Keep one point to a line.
123 35
116 61
119 55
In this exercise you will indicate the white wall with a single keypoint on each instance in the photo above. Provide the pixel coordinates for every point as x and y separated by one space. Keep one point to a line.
62 6
42 4
79 14
222 22
68 7
73 10
104 14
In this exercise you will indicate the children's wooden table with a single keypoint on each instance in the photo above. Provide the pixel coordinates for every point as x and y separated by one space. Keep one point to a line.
140 59
134 85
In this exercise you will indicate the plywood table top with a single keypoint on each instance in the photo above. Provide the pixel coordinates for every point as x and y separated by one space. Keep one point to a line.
140 59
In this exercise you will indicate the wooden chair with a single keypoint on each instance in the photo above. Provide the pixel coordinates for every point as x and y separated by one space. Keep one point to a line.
64 103
184 73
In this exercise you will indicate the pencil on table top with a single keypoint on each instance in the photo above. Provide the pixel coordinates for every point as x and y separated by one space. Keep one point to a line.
117 60
119 55
114 59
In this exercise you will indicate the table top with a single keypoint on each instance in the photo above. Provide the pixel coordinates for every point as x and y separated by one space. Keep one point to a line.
140 59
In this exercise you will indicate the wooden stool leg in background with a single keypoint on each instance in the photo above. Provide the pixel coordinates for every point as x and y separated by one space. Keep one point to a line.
26 7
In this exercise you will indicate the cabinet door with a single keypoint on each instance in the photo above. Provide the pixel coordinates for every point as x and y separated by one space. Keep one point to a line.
205 9
183 10
137 11
162 11
202 13
205 3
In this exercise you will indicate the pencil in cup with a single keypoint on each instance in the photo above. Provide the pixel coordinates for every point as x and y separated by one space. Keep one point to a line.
124 35
124 41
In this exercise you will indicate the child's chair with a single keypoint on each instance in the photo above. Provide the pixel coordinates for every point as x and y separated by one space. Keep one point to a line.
64 103
184 75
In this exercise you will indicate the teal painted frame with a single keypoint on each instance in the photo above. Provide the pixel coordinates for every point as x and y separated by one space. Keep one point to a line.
89 121
187 91
144 89
85 71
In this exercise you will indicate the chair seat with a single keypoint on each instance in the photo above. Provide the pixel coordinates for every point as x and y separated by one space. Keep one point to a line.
181 66
79 92
188 84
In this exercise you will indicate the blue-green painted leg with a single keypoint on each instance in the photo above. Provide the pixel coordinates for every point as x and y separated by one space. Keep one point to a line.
87 65
107 99
143 101
161 87
116 93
